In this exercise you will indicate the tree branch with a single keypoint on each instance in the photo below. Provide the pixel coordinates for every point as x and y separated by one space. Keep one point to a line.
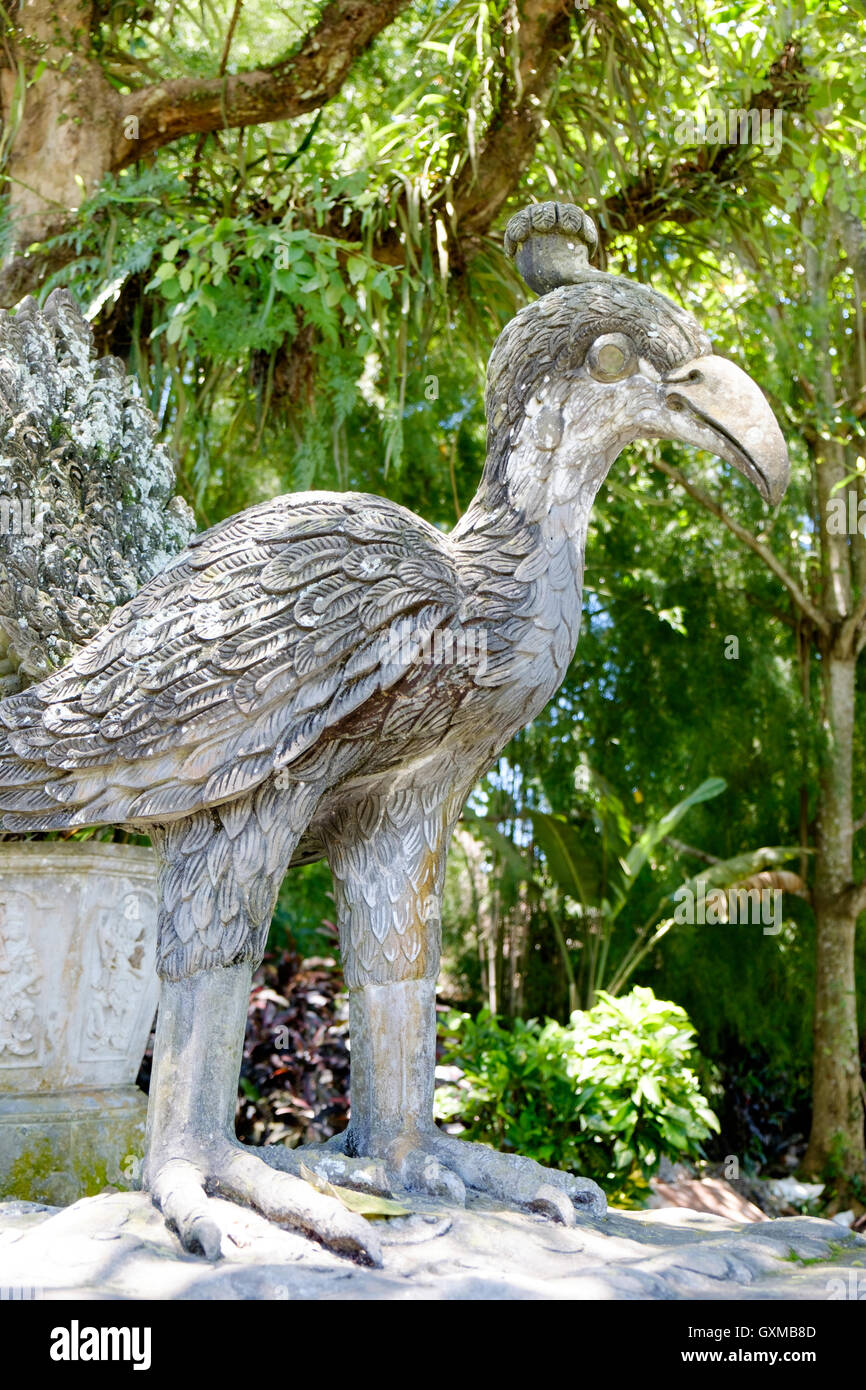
304 82
689 190
781 617
801 599
853 630
230 33
683 848
857 898
483 184
853 237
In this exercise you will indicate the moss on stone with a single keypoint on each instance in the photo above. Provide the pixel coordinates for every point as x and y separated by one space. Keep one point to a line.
61 1162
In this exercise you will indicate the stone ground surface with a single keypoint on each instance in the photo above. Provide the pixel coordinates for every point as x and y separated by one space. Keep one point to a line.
115 1246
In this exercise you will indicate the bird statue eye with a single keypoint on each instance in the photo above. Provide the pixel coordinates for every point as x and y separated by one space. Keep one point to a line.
611 357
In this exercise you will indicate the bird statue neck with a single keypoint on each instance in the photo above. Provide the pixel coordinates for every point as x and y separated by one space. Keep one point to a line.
525 489
520 547
535 497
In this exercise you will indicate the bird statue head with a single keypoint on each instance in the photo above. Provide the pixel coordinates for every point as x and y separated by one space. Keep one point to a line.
599 361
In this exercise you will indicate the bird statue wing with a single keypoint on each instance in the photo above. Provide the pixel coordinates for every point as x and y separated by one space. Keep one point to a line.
266 631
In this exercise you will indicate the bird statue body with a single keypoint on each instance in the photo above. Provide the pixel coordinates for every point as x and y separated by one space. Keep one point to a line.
263 701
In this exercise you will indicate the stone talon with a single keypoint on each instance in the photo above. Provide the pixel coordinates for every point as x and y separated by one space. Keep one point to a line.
520 1181
422 1172
178 1192
435 1165
184 1195
553 1203
588 1198
288 1200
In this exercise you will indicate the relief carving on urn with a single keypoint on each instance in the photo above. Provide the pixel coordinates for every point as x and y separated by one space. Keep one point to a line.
20 977
118 972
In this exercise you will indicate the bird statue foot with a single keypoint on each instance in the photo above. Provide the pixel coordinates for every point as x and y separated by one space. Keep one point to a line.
192 1154
519 1181
443 1167
183 1188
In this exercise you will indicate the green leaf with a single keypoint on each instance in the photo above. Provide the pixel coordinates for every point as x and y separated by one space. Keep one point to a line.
653 835
570 865
175 328
648 1087
727 873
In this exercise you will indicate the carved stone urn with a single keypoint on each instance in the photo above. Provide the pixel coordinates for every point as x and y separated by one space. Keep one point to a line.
78 993
89 494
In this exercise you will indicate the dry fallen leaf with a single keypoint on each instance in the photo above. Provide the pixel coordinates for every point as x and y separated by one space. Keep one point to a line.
364 1203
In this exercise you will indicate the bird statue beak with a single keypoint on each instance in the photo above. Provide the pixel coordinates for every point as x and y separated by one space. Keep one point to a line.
719 408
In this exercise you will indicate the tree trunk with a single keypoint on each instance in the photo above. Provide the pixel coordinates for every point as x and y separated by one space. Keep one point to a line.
65 126
836 1143
55 100
62 119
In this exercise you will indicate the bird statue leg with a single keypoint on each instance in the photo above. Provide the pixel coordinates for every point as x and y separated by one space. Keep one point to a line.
219 876
192 1150
388 870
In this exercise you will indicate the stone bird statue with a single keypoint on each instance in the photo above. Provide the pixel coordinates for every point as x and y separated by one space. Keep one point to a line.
263 701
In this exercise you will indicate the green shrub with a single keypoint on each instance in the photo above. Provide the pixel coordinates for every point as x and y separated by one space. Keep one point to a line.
607 1096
